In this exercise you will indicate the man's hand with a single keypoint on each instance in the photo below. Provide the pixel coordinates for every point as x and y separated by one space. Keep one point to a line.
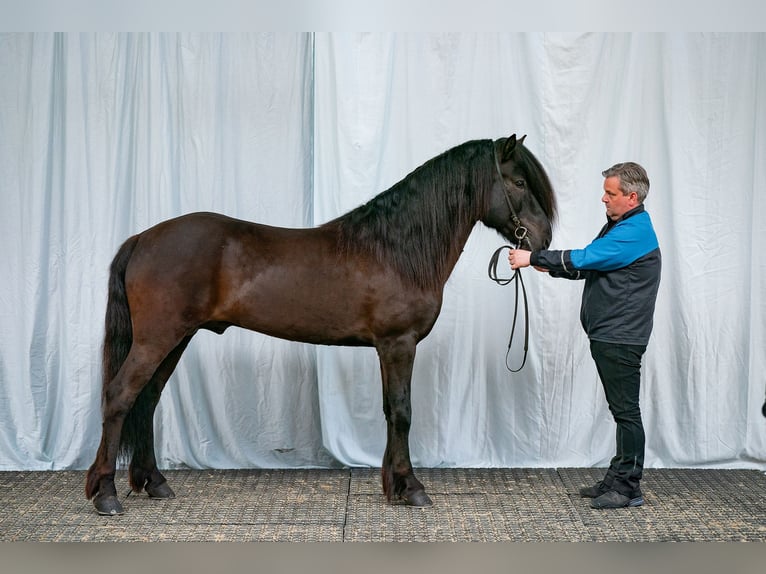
519 258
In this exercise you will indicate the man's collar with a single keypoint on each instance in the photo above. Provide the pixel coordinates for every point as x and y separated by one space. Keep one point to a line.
638 209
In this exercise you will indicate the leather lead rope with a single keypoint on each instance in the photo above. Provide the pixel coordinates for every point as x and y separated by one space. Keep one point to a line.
517 279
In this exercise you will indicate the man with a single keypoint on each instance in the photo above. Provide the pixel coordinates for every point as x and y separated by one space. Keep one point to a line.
621 269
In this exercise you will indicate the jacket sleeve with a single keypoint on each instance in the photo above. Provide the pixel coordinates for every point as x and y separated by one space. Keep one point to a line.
558 263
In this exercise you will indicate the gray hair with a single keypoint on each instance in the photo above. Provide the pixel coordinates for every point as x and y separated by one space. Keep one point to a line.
632 178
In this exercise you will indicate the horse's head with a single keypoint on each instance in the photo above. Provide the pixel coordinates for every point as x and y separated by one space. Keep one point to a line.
522 206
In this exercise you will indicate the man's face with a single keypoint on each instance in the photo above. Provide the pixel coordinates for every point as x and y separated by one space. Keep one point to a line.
617 204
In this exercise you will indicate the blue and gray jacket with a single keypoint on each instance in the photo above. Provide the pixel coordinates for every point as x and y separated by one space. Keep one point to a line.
621 268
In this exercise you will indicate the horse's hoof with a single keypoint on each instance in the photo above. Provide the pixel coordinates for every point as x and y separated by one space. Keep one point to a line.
161 490
418 498
108 505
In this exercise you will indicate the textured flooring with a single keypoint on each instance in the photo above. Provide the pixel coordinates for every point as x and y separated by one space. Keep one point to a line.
470 505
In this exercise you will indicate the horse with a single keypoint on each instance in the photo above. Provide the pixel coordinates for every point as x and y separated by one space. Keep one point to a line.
373 277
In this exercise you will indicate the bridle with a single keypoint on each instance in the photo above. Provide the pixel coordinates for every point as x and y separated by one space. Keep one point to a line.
520 233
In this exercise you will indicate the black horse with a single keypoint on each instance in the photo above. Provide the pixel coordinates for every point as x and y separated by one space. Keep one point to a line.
372 277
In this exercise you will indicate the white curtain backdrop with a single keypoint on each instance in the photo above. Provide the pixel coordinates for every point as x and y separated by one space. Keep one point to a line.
102 136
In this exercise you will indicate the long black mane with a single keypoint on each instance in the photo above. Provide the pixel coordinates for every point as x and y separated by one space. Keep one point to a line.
412 225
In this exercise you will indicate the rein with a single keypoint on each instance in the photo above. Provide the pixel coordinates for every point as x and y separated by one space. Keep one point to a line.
521 234
515 278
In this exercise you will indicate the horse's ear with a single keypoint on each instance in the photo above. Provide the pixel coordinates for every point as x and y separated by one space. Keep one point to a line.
508 147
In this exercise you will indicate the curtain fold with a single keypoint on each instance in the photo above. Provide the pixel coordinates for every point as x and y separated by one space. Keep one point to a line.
104 135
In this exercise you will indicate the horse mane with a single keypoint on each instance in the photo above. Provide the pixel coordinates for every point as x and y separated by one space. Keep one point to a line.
413 226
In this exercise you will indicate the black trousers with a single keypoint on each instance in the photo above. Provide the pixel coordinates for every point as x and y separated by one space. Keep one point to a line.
619 368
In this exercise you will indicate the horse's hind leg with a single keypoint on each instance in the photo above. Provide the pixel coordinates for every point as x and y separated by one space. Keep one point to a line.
396 359
139 425
119 397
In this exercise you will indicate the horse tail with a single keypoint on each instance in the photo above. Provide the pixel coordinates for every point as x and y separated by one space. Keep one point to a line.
117 343
118 339
118 333
118 329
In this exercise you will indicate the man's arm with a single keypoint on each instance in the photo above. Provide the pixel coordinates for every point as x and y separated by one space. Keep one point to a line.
554 262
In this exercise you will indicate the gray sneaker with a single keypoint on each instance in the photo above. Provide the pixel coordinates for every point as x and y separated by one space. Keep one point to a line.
614 499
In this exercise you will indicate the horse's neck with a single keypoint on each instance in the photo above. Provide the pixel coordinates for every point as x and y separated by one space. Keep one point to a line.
422 245
446 244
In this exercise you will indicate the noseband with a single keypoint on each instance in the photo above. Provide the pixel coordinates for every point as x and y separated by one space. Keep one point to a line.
520 233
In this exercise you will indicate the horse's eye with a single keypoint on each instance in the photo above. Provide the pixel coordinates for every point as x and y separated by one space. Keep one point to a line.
519 183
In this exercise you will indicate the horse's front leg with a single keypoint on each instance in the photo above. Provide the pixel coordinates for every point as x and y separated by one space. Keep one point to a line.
396 359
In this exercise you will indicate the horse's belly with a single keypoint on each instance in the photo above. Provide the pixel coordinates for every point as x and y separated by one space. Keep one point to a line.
331 313
318 324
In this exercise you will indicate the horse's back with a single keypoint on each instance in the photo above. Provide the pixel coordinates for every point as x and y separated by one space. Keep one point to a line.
187 266
202 239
